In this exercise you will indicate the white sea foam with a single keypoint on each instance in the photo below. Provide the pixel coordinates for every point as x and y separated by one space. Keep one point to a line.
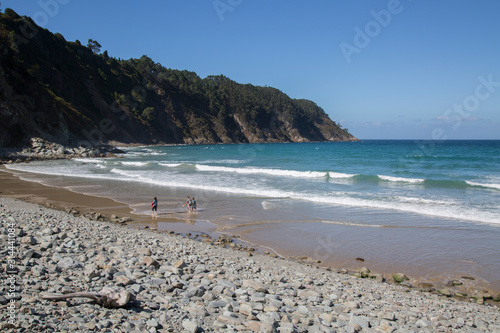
353 224
60 171
253 171
400 179
444 211
145 152
423 201
227 161
495 186
268 205
157 154
170 165
129 174
340 175
426 206
89 160
271 204
133 163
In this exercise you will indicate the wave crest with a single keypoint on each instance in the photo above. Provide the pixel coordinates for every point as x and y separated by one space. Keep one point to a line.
401 179
273 172
495 186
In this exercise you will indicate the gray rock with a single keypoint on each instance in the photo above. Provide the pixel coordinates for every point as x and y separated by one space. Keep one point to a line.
245 309
216 289
267 328
445 292
227 284
45 245
29 240
254 285
137 275
352 305
197 311
361 321
399 277
91 271
148 261
208 296
387 316
196 291
38 270
234 321
364 272
180 264
190 326
152 323
217 304
123 280
422 323
143 251
47 231
136 288
68 263
200 269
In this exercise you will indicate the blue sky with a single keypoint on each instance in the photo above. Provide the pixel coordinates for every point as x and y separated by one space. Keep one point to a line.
384 69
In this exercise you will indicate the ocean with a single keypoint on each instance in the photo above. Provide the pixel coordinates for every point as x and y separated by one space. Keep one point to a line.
428 209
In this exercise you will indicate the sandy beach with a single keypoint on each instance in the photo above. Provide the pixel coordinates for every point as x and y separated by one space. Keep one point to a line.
345 247
180 284
64 199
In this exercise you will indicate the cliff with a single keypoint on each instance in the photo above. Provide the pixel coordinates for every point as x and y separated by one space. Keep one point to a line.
67 93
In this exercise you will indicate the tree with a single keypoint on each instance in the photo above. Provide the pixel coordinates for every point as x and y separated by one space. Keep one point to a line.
148 114
61 37
10 12
94 46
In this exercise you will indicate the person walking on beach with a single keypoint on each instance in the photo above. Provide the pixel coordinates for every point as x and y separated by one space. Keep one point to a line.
193 205
188 204
154 209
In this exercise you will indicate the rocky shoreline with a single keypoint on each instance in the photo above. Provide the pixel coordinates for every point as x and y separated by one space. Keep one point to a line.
177 284
40 149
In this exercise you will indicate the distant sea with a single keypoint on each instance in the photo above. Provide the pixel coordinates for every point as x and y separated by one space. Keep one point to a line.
430 209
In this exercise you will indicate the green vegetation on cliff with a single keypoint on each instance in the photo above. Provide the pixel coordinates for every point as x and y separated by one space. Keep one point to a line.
68 93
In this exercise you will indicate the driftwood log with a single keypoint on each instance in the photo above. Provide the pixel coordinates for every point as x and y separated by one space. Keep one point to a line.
107 297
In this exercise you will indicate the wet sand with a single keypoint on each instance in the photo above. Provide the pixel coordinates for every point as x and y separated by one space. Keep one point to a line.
174 218
177 284
62 199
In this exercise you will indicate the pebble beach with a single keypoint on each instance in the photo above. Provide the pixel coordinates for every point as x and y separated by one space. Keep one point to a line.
177 284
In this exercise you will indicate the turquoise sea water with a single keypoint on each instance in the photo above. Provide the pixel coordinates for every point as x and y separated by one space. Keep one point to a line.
407 205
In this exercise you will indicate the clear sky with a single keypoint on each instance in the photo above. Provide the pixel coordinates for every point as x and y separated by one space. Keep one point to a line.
384 69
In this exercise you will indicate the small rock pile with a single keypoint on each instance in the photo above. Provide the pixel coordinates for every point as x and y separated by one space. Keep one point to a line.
95 216
183 285
41 149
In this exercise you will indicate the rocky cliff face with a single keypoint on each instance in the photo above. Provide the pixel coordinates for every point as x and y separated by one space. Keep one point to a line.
63 92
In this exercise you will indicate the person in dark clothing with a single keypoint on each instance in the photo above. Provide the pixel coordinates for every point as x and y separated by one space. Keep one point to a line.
154 209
